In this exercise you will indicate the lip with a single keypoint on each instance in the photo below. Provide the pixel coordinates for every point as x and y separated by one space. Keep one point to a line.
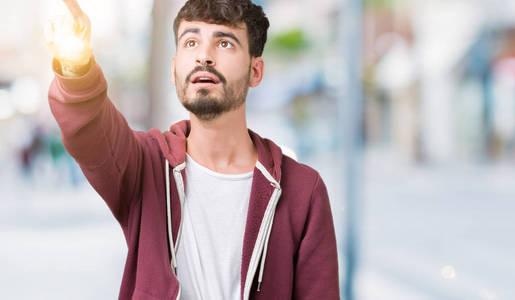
204 84
205 74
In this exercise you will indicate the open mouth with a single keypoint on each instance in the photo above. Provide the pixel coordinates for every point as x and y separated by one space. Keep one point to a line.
205 80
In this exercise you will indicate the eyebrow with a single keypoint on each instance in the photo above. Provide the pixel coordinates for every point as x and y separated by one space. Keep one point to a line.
192 30
226 34
216 34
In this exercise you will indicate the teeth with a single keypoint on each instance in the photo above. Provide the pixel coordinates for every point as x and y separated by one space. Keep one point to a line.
205 79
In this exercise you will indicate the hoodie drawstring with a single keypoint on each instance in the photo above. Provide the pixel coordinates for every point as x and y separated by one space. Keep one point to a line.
275 196
180 189
169 219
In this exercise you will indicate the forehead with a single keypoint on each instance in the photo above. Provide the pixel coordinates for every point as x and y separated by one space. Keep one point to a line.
208 28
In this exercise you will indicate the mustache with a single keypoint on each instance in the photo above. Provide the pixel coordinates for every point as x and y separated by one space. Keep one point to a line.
208 69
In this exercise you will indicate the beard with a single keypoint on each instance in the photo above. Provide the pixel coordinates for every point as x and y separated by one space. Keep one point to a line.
205 105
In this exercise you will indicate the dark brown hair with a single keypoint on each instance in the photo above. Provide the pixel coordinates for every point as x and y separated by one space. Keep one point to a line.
230 13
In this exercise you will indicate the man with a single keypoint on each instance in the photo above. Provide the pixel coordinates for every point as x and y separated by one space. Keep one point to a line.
209 209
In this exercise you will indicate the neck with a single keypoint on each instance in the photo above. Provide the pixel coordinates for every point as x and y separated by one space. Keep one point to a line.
223 144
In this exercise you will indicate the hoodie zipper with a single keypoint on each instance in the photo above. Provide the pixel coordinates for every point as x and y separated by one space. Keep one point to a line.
180 190
274 198
265 229
179 182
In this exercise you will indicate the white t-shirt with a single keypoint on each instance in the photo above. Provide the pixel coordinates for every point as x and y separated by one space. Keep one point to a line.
211 241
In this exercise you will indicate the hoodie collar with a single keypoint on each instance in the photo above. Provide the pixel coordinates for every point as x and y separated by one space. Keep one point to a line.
174 148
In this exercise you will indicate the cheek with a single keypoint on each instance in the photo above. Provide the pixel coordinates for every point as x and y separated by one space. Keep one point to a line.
236 70
180 73
183 65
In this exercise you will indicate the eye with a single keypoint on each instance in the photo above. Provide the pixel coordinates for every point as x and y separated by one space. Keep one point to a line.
190 43
225 44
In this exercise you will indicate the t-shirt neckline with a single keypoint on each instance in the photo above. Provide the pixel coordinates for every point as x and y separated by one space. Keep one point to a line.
240 176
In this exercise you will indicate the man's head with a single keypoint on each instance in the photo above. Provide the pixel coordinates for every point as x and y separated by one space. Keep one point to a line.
219 44
231 13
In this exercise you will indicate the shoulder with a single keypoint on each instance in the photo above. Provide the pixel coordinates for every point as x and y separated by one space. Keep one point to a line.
304 197
299 177
150 142
148 139
297 171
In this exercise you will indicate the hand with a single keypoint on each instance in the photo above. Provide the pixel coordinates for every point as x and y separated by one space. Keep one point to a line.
68 37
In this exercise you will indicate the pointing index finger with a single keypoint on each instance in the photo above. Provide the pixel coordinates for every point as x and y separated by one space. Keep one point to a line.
74 8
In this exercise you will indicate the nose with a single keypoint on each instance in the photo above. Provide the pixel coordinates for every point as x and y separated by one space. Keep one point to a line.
205 61
204 57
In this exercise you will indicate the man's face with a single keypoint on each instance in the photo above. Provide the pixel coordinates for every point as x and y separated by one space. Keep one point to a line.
212 69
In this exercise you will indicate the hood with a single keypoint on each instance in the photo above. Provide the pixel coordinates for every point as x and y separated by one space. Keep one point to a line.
173 146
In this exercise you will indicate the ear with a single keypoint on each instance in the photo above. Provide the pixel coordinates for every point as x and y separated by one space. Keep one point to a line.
257 66
172 70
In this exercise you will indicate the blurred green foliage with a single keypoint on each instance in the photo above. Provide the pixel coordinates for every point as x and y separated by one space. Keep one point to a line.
290 41
381 3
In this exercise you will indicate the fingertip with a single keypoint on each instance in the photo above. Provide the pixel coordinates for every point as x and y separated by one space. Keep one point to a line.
73 8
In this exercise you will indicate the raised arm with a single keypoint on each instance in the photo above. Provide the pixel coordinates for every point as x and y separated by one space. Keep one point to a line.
94 132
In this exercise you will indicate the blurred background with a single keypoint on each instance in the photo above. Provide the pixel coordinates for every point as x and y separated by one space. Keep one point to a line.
405 107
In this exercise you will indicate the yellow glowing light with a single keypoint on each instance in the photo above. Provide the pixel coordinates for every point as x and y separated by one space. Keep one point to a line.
448 272
72 47
64 43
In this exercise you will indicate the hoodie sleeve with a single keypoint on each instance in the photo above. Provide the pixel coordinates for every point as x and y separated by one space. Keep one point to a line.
98 137
316 271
